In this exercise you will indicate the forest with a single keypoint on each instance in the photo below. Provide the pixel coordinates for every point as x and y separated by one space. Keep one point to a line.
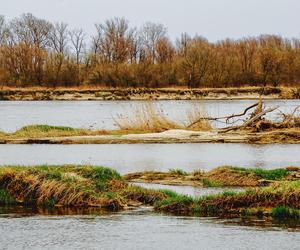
37 53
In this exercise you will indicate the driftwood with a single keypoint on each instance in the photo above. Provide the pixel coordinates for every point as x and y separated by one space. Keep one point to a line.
256 119
224 117
249 122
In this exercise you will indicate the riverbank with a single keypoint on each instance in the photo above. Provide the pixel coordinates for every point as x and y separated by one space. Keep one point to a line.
71 186
220 177
170 136
279 200
150 94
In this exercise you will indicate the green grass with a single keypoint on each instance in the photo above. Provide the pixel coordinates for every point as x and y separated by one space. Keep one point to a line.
178 171
6 198
183 200
169 193
71 185
282 212
210 183
273 174
62 185
45 128
279 193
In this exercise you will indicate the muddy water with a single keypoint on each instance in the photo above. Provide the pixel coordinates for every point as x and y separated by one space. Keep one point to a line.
188 190
159 157
141 229
100 114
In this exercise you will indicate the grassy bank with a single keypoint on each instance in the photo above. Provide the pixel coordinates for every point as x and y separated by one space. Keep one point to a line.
48 131
220 177
70 186
279 200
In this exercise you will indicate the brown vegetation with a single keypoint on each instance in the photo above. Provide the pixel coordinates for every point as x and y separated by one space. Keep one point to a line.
35 52
70 186
257 201
219 177
149 118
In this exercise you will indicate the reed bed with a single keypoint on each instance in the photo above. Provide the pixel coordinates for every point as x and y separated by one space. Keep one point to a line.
149 118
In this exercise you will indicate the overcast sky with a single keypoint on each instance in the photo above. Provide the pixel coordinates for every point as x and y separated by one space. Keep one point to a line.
213 19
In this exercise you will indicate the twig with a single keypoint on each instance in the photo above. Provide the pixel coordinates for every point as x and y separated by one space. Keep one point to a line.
224 117
250 121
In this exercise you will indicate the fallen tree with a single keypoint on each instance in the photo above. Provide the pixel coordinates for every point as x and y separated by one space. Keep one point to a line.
256 120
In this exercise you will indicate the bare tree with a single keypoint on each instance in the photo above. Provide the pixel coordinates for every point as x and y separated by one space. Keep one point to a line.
115 41
77 37
59 38
196 63
151 33
29 29
4 32
182 44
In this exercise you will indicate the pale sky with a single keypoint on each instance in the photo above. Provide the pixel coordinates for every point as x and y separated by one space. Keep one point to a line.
213 19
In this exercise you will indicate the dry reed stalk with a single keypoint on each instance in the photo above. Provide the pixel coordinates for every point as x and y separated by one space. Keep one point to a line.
149 118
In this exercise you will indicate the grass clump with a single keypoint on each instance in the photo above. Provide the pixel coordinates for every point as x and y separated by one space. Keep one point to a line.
279 194
39 131
273 174
45 128
71 186
145 196
149 118
282 212
6 198
211 183
175 203
178 171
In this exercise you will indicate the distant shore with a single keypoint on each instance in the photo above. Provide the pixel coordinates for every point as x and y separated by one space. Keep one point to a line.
110 94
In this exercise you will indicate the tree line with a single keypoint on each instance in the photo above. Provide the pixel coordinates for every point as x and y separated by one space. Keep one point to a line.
36 52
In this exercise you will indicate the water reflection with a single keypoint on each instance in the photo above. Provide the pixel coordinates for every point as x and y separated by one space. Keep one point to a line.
142 230
188 190
159 157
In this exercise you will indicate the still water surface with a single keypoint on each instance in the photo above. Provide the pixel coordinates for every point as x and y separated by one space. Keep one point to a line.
102 114
160 157
141 229
189 190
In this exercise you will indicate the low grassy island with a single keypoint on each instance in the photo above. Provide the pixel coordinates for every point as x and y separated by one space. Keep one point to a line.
148 124
71 186
281 200
225 176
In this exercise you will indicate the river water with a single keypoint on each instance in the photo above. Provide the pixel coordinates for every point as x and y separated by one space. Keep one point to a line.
189 190
140 229
154 157
102 114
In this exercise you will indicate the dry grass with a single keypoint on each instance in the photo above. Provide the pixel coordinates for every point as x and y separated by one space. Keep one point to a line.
42 131
149 118
70 186
225 176
194 114
285 193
